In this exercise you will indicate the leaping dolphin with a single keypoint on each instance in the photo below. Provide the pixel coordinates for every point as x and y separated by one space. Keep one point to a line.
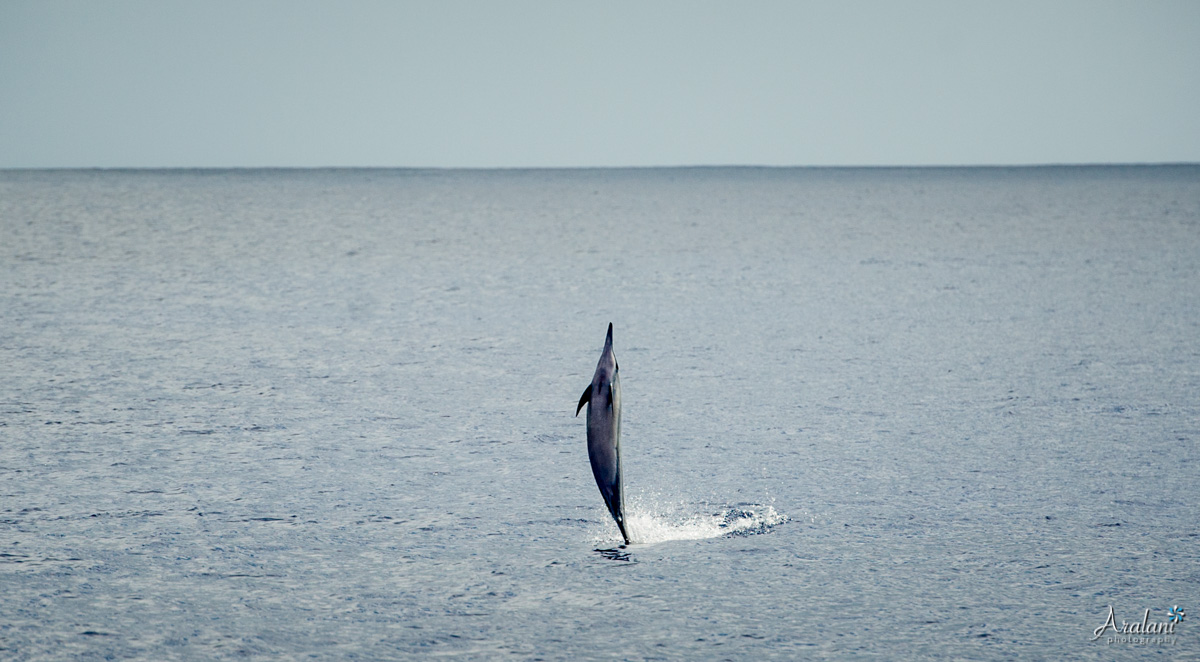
603 398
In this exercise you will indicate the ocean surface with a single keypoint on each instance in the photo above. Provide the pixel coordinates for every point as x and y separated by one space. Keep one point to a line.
867 413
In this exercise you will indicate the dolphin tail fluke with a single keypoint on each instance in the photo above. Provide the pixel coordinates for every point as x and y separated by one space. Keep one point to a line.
616 506
619 516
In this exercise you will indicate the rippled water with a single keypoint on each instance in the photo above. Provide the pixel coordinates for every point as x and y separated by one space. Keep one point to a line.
867 413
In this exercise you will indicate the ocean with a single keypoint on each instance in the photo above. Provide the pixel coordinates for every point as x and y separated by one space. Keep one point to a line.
870 413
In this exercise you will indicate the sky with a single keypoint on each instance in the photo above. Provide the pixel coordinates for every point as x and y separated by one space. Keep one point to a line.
514 84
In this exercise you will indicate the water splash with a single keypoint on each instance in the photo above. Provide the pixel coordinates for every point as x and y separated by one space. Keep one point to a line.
652 521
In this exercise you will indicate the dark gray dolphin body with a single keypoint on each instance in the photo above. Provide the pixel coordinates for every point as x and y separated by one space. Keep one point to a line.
603 398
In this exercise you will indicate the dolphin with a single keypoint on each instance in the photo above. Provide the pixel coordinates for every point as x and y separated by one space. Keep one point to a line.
603 398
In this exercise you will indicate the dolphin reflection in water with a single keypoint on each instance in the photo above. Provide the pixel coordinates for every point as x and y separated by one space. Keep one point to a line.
603 400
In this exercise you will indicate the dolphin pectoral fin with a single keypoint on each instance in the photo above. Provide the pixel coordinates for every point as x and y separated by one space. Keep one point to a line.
584 399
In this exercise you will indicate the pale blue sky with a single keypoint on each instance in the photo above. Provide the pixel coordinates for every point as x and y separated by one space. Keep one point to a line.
166 83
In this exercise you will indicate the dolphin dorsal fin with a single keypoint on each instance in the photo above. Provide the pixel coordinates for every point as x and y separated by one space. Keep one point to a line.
584 399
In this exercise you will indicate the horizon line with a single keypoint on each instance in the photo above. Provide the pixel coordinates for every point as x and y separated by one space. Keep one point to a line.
997 166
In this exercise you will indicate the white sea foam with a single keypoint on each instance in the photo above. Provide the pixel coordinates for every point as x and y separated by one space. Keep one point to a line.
654 520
